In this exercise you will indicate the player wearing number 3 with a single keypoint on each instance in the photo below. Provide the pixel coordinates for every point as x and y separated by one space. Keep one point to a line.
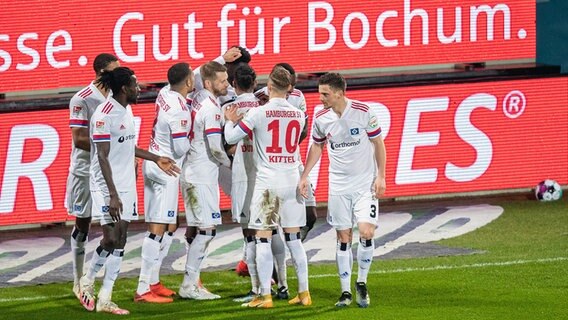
357 160
275 129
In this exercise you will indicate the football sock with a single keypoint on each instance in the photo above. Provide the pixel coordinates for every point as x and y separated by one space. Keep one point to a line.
97 262
196 255
112 268
78 241
251 262
165 245
279 252
264 263
294 243
365 252
150 255
344 258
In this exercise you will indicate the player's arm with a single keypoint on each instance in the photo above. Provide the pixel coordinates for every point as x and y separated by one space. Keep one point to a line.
81 138
115 205
380 153
234 133
214 139
314 154
302 106
166 164
79 123
381 160
231 55
179 129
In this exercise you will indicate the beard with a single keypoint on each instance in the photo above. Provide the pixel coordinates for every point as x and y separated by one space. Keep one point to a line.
220 93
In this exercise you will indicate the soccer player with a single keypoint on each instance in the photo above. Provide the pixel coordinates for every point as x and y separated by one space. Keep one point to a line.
78 196
296 98
112 182
244 171
276 128
200 185
357 159
170 138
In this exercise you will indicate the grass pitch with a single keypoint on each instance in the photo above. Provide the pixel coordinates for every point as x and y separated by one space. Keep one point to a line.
521 274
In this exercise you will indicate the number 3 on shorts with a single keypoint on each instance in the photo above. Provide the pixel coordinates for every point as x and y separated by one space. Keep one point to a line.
373 211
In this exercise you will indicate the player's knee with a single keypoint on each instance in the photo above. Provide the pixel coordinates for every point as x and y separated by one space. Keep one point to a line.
83 224
110 242
367 234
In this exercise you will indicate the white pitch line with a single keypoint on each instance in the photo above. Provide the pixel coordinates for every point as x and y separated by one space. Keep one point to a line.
401 270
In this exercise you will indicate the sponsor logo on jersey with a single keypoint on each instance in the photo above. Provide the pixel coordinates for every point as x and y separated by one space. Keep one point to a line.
100 124
354 131
171 213
344 144
125 138
122 127
217 117
216 215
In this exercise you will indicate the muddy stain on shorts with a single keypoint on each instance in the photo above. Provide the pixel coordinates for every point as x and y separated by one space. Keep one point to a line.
270 207
191 200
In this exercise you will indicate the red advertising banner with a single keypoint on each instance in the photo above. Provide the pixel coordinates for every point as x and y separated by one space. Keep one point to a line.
52 44
439 139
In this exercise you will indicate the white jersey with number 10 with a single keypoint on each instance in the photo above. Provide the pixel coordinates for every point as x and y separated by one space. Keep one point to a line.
277 126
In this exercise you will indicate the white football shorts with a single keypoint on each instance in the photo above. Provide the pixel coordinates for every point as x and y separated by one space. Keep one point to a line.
201 203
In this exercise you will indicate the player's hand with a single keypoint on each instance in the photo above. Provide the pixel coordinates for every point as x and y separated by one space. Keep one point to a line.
135 168
380 186
262 99
115 208
168 166
303 187
232 54
231 114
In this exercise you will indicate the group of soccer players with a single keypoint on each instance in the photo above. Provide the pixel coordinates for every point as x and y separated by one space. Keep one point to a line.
211 130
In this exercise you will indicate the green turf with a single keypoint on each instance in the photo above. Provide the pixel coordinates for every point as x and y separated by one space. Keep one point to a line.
521 274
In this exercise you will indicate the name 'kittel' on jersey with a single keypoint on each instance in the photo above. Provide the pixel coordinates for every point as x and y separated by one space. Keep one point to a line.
277 126
171 124
81 107
113 123
351 157
200 166
243 167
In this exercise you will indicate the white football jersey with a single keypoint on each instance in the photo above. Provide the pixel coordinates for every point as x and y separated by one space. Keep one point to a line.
352 164
200 166
81 108
276 127
170 134
243 166
113 123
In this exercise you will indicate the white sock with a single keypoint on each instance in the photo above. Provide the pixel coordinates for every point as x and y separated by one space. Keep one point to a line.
78 241
279 252
298 253
251 263
112 268
264 264
365 252
150 255
98 260
167 240
344 258
195 256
